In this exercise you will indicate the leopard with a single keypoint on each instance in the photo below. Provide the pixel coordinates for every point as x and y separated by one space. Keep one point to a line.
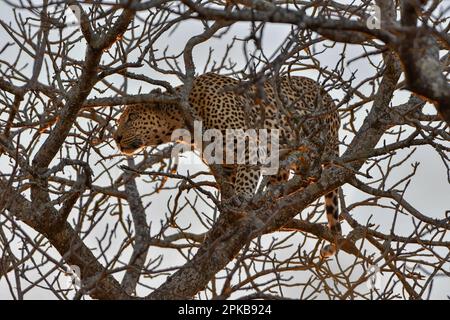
289 103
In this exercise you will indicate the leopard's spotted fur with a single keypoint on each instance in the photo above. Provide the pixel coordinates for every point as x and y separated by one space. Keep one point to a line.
214 99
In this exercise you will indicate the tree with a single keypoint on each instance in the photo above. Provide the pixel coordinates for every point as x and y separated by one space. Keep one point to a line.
147 227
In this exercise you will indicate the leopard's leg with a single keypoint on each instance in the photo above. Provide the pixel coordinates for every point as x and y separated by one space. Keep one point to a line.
248 170
247 178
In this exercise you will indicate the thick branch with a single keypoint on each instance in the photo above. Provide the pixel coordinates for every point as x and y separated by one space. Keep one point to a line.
141 230
69 245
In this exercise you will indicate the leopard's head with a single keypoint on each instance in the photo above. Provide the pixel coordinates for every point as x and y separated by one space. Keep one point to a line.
142 125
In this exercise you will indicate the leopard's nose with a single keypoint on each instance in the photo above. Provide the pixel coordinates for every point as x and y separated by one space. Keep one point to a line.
136 143
118 137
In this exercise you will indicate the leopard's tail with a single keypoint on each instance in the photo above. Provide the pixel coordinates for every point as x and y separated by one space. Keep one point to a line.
332 210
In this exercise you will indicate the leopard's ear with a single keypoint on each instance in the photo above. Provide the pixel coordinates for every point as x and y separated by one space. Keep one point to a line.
156 90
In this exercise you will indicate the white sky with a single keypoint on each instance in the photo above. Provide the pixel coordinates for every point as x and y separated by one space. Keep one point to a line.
428 191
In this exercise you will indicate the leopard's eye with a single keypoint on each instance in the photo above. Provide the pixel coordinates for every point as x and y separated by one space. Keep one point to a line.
132 116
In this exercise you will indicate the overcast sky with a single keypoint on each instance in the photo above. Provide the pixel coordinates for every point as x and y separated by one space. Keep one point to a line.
428 192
